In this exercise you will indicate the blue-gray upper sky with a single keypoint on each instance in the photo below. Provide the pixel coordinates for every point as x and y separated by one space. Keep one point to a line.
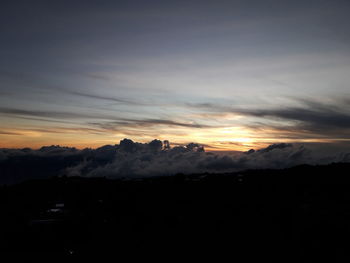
230 74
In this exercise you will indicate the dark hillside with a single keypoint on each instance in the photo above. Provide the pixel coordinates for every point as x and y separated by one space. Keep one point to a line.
301 214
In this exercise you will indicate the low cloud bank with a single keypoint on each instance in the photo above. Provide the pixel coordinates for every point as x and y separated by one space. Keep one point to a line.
130 159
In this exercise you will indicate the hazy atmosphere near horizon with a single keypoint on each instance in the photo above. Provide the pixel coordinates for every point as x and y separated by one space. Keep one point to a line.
230 75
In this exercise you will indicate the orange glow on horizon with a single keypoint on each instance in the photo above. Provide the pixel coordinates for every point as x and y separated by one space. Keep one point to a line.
236 138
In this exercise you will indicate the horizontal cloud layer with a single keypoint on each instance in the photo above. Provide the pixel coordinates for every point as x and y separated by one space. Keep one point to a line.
130 159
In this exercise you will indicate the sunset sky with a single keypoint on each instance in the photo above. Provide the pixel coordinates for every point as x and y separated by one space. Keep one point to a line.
231 75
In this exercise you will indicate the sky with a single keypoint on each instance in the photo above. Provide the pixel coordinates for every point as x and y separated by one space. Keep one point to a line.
231 75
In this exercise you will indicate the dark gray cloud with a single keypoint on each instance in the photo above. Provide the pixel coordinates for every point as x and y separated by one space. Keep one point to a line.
130 159
310 119
9 133
114 124
47 114
44 119
313 121
151 122
118 125
274 146
94 96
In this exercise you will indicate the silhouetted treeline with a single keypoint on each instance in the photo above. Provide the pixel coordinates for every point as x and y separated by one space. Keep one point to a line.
301 214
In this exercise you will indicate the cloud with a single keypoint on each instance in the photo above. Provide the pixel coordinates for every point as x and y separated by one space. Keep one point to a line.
271 148
94 96
130 159
135 123
46 114
114 123
152 122
310 118
9 133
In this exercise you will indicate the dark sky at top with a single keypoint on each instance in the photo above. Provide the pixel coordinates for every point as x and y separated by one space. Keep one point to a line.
229 74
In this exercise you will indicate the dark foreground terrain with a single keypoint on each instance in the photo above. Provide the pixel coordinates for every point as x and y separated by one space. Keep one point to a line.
300 214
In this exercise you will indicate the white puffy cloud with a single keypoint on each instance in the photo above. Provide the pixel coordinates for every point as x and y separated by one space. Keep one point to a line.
130 159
